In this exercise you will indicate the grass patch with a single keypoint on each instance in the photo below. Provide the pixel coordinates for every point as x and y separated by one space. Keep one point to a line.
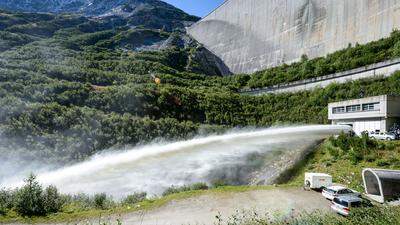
340 164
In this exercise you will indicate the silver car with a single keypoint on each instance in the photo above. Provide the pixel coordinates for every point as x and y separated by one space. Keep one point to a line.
343 205
382 136
338 191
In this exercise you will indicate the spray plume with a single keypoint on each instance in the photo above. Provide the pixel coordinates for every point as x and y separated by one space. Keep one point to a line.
153 168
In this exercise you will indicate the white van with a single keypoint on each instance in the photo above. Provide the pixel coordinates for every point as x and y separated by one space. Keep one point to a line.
317 180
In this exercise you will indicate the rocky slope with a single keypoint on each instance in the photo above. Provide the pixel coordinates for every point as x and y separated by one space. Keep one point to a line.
148 13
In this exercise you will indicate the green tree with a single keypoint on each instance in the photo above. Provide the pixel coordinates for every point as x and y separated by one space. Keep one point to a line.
30 200
52 200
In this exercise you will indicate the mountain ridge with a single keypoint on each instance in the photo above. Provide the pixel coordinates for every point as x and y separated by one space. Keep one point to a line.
148 13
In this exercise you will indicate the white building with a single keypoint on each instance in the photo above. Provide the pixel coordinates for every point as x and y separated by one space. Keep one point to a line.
377 113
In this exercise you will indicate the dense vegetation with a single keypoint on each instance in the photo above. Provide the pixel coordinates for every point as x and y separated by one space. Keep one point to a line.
72 86
346 59
346 156
362 216
33 200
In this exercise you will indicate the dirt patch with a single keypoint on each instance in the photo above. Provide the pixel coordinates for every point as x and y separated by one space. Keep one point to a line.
204 209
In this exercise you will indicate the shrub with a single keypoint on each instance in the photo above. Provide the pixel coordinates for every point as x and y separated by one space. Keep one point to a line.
333 151
6 200
29 199
52 200
356 155
218 183
134 198
199 186
173 190
382 163
354 148
195 186
100 200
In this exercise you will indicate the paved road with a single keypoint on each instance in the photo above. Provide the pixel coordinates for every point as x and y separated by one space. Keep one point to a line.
204 209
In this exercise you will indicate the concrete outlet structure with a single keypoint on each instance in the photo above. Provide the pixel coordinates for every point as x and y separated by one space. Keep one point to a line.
377 113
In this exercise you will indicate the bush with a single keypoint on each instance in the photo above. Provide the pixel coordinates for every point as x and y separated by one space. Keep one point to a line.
333 152
356 155
134 198
196 186
101 201
6 201
29 199
52 200
354 148
218 183
199 186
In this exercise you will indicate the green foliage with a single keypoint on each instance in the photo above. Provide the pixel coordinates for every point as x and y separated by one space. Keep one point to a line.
76 86
193 187
100 201
53 201
362 216
355 147
346 59
29 199
7 198
346 166
134 198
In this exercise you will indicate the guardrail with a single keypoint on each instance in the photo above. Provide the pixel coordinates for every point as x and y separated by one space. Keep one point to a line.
334 76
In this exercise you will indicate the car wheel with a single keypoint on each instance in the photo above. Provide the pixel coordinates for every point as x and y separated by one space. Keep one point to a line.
307 186
388 139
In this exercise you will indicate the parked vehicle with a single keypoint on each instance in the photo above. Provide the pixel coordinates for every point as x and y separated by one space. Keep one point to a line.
383 136
317 180
338 191
342 205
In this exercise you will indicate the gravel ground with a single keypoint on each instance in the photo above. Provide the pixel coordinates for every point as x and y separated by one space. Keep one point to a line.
202 210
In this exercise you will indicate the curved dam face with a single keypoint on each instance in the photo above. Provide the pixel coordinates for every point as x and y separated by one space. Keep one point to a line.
251 35
240 157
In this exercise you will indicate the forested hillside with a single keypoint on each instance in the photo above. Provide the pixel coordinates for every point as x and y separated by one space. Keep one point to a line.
71 86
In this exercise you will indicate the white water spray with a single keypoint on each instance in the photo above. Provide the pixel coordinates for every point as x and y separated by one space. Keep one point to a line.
153 168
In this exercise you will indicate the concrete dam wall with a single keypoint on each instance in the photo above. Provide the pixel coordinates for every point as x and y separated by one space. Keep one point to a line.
251 35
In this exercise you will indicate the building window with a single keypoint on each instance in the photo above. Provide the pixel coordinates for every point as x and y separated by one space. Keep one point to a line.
353 108
371 107
337 110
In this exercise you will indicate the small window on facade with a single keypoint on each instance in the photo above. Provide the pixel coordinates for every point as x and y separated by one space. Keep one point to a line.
337 110
370 107
353 108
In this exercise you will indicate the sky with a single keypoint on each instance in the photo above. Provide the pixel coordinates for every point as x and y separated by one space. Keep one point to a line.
196 7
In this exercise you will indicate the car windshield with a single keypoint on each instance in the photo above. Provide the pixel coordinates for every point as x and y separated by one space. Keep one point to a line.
346 191
341 202
330 190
